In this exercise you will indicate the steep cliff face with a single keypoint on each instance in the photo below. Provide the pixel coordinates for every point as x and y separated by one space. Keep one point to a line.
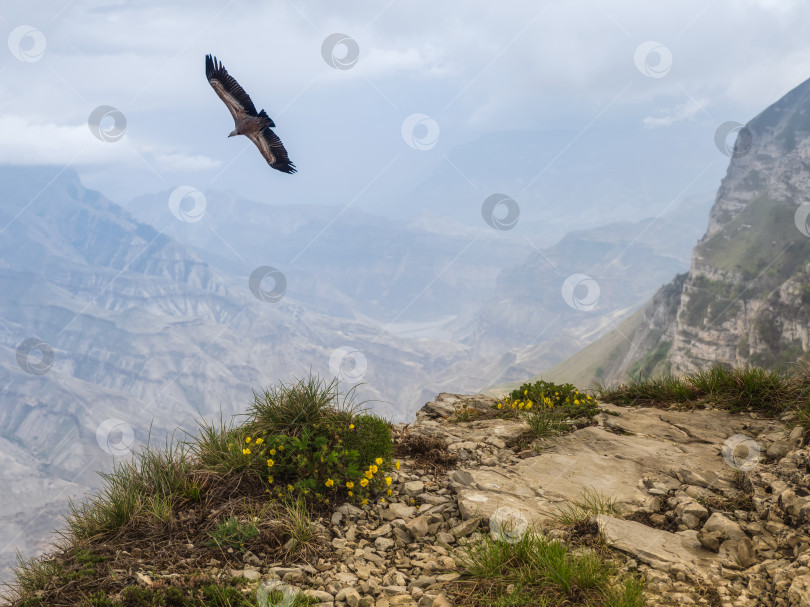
746 297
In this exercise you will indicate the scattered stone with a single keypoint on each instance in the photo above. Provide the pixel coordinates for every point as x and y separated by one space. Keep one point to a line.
319 595
690 477
739 552
397 510
799 591
777 449
789 502
413 488
725 527
710 539
466 528
418 527
348 595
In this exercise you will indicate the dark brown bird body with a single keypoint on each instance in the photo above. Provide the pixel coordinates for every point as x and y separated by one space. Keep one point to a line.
254 125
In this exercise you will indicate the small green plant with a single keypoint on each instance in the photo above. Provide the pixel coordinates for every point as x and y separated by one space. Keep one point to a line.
548 408
100 599
298 523
34 574
232 533
591 504
465 413
544 572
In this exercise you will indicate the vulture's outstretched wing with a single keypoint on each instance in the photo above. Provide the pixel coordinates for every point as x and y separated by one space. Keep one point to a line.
273 150
228 89
255 126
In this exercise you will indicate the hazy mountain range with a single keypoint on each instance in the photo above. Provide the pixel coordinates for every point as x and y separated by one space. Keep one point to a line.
116 321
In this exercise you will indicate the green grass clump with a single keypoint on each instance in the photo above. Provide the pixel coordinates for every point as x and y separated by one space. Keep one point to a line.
548 408
151 483
736 389
544 573
303 439
591 504
232 533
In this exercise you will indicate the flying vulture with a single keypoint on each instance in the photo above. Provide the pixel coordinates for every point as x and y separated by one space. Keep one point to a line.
255 126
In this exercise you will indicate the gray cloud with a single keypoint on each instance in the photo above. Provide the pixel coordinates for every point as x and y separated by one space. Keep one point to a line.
471 65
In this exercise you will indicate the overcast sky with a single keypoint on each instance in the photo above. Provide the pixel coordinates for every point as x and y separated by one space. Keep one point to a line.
427 77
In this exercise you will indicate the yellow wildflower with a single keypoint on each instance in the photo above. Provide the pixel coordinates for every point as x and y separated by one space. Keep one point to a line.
365 501
397 465
368 474
349 484
379 461
351 426
272 451
529 405
576 401
363 482
245 451
270 463
388 480
247 439
389 492
289 487
499 405
259 441
373 469
329 482
350 494
270 479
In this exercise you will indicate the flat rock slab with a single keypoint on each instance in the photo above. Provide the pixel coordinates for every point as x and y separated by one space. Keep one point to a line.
658 549
619 458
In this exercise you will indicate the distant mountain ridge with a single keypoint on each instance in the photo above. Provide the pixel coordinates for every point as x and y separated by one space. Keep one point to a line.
145 332
150 325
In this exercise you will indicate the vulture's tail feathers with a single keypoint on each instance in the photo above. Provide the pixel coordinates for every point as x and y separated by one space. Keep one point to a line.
263 114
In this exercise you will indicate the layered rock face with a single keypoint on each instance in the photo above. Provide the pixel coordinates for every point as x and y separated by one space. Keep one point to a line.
746 297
